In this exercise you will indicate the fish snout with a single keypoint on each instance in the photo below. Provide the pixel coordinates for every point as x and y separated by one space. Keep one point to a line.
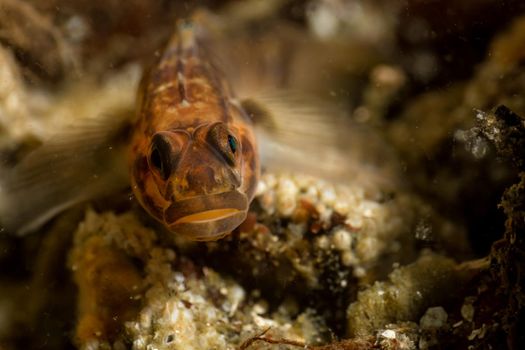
203 173
205 179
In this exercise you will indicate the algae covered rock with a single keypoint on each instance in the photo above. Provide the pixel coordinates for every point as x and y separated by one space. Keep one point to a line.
430 281
135 292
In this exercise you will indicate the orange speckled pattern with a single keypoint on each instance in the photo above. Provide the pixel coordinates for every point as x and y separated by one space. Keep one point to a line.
194 161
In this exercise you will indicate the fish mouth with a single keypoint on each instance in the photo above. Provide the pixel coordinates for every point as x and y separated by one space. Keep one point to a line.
207 217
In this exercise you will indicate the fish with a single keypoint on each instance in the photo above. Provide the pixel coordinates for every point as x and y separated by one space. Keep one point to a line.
194 159
195 145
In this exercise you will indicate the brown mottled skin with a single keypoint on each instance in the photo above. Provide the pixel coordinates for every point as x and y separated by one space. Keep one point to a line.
194 161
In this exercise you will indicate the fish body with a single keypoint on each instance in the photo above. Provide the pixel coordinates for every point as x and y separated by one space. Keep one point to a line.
193 160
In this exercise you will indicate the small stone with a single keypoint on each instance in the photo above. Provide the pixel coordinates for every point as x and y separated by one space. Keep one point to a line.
267 201
389 334
478 333
354 221
323 242
348 258
359 272
286 197
467 310
329 196
342 240
434 318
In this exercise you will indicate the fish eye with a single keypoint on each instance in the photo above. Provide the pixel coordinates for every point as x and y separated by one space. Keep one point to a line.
155 159
233 143
161 156
224 142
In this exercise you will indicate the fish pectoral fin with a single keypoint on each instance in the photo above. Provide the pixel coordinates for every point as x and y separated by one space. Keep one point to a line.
303 134
80 162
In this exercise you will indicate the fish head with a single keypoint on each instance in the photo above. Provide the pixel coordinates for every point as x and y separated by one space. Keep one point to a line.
198 181
194 163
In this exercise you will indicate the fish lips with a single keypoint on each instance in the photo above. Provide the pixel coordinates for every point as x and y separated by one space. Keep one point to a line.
207 217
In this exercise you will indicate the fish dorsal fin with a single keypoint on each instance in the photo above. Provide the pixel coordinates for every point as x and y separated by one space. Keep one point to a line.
302 134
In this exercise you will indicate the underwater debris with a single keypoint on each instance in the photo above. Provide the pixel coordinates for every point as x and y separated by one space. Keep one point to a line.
356 344
260 337
505 129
